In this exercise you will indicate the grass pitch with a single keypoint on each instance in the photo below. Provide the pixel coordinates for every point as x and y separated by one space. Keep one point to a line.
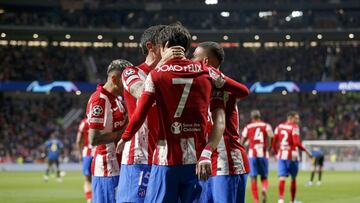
29 187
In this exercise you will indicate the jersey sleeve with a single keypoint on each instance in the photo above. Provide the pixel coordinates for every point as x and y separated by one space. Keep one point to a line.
217 100
244 132
224 83
96 114
129 77
149 86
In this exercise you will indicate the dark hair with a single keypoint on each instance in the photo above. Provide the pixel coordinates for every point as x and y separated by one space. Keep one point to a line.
176 35
149 35
215 49
255 114
292 114
118 65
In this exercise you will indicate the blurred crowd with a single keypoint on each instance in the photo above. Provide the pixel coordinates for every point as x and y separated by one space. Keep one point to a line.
302 64
192 19
27 122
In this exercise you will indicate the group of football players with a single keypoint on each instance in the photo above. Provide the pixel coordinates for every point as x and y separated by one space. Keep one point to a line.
167 129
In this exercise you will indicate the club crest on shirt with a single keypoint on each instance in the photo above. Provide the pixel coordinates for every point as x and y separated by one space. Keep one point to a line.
97 110
129 72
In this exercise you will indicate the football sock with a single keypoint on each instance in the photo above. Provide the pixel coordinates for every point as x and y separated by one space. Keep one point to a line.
264 183
281 189
293 189
88 195
312 176
254 190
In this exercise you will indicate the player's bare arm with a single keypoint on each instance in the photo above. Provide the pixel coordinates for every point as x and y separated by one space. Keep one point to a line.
203 169
98 138
137 89
270 135
79 141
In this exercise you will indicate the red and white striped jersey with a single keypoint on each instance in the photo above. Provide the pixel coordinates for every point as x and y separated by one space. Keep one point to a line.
257 134
140 149
106 113
182 90
285 135
84 129
230 157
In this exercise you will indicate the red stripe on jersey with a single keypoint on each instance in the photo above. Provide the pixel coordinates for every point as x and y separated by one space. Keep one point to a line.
105 165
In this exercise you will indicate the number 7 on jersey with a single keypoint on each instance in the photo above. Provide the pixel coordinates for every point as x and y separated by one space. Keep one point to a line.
182 81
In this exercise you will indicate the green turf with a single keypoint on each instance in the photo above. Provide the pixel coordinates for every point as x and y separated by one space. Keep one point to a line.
29 187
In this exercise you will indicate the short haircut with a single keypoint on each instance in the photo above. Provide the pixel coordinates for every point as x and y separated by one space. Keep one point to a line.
292 114
149 35
214 49
118 65
176 35
255 114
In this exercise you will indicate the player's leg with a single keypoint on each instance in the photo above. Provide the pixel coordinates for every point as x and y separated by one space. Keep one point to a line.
313 169
47 171
57 163
320 168
104 189
86 170
189 189
253 174
133 183
228 188
163 184
294 169
263 172
283 172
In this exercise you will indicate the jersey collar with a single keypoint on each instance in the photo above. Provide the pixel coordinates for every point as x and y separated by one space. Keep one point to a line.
101 89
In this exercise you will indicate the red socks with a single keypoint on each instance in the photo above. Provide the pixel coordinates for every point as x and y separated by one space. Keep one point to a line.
281 189
293 189
88 195
254 190
264 183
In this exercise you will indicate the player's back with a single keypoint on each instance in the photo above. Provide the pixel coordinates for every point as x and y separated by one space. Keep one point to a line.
53 147
182 91
256 132
284 136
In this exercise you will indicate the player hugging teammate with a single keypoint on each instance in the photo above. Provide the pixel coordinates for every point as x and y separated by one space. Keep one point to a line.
167 146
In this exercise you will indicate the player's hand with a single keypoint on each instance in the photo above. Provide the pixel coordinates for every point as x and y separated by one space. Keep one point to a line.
203 170
120 146
309 155
173 52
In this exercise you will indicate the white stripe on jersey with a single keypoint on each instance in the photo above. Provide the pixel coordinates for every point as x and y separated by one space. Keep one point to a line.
98 168
126 153
238 161
162 150
222 160
188 150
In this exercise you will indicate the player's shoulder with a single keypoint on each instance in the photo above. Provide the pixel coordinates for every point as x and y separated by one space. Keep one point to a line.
130 71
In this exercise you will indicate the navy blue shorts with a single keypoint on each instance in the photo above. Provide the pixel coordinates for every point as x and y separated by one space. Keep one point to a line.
259 166
228 188
173 184
288 167
133 182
